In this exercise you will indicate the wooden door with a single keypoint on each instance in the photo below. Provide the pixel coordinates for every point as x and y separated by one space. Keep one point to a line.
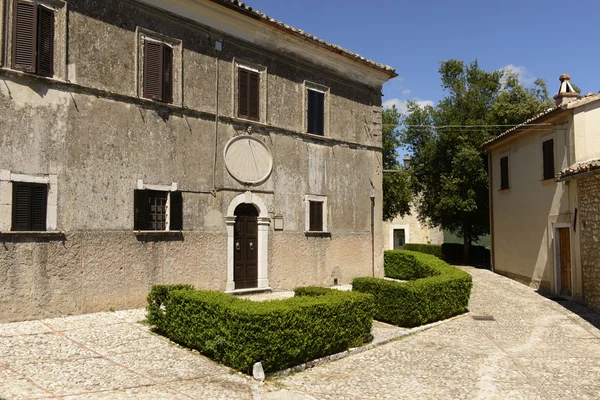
245 247
565 261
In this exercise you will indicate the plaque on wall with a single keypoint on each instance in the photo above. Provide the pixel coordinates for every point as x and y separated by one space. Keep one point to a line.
248 160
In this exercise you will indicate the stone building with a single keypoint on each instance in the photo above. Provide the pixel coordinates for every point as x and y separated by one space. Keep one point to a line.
179 141
545 198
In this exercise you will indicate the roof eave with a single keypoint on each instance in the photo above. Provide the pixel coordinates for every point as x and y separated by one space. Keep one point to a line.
254 14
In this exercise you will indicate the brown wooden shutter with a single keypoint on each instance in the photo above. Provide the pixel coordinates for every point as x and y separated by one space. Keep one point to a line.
21 207
253 95
141 210
24 36
320 110
176 212
45 44
167 74
504 183
153 70
548 158
316 216
243 92
39 202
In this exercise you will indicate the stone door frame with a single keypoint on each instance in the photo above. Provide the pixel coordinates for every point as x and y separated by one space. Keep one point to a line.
264 222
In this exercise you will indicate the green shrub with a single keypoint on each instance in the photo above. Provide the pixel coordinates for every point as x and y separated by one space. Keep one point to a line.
433 249
436 290
454 252
312 291
156 301
278 333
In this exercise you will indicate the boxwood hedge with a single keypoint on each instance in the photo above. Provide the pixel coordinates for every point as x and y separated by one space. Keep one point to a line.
435 290
279 333
433 249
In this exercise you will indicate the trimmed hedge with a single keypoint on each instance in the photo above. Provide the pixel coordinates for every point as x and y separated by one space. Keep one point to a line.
433 249
279 333
436 290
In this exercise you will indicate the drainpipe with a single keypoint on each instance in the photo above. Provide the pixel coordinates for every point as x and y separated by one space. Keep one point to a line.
218 49
491 176
373 232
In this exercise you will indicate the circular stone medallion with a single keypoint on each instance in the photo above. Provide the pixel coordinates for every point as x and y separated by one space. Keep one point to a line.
248 160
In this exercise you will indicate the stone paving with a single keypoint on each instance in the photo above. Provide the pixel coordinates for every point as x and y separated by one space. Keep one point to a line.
534 348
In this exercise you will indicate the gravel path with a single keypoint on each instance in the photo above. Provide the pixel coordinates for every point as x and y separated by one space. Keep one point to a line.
533 348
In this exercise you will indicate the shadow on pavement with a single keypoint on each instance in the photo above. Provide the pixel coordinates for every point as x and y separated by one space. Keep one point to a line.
587 314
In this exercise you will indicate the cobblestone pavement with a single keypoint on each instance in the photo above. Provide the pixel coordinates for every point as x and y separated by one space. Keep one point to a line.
107 356
534 348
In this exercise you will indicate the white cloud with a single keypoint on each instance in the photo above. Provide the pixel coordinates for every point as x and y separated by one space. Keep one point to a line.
525 77
402 104
406 91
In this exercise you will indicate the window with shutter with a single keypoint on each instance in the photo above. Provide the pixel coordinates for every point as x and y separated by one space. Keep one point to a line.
248 94
548 158
151 212
504 183
153 70
33 38
167 80
176 212
30 202
316 113
45 43
316 216
24 36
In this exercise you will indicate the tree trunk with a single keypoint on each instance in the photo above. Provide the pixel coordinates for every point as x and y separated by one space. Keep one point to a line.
466 250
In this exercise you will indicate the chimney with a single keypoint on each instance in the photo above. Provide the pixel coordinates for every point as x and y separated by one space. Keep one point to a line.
566 93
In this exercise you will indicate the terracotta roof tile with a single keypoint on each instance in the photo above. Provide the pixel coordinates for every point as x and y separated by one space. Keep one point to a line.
242 7
571 104
579 168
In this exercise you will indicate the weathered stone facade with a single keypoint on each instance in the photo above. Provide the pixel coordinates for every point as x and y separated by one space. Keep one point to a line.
92 136
589 210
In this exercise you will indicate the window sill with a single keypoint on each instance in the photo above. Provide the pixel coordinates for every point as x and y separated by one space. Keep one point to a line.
160 236
315 136
51 235
317 234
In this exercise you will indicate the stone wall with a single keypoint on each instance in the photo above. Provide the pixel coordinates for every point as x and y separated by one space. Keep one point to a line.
97 139
589 212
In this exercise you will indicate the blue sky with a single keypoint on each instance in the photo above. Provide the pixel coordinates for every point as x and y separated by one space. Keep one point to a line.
542 38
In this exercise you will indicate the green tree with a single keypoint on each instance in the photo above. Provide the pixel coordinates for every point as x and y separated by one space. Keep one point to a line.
397 194
449 173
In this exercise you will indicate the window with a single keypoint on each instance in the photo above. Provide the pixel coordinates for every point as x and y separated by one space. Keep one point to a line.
158 71
548 158
33 38
399 239
29 206
316 112
316 216
504 183
158 210
316 213
248 94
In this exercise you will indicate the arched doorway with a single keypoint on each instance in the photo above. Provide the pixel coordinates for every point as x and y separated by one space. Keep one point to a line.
254 218
245 250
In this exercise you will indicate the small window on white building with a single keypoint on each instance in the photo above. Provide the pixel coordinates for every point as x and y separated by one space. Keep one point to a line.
316 213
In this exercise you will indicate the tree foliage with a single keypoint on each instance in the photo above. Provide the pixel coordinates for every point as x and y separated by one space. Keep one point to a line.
449 173
397 194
